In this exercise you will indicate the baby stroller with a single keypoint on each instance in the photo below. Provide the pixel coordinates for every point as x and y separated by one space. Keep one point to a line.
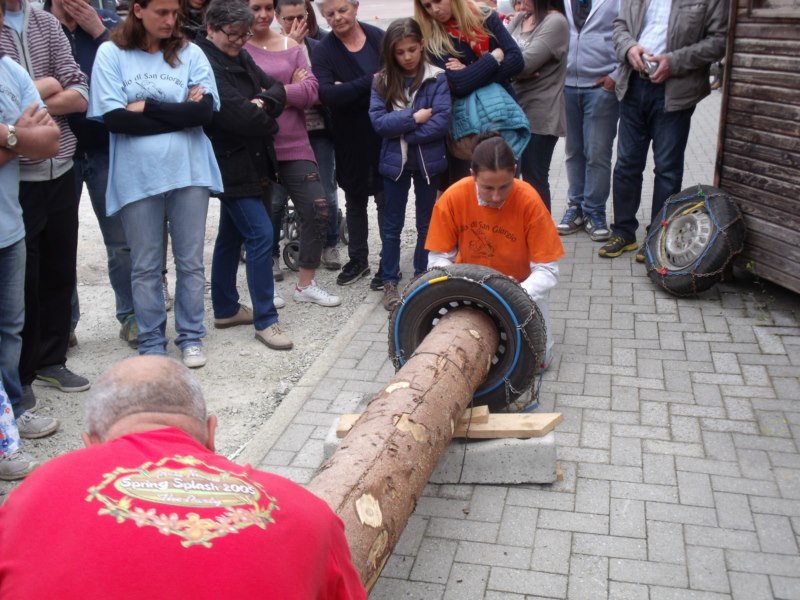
290 234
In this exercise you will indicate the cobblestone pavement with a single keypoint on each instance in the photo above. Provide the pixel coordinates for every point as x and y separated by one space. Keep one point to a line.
679 444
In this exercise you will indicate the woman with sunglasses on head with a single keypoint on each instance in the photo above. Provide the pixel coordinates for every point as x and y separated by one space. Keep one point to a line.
471 43
242 135
284 59
155 91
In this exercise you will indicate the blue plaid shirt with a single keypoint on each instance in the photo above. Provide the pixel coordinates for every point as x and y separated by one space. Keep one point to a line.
656 22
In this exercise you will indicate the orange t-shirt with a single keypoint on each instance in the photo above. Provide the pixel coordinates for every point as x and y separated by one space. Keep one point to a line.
506 239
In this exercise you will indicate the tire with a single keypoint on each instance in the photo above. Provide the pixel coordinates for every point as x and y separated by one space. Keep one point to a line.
691 244
344 234
522 331
291 255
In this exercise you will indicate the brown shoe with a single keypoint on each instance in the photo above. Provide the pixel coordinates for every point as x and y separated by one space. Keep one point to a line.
391 297
244 316
273 337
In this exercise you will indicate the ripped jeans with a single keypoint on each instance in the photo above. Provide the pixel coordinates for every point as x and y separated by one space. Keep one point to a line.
300 179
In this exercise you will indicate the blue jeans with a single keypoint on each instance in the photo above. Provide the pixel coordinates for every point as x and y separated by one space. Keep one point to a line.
326 163
143 221
12 318
243 220
642 119
92 168
591 126
535 164
394 217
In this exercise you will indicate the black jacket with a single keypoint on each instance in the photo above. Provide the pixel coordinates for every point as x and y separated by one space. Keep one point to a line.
241 133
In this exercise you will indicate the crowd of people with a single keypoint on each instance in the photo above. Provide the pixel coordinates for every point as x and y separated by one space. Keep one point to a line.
249 101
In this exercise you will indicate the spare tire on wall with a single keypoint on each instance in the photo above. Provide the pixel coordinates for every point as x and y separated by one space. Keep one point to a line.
522 331
697 234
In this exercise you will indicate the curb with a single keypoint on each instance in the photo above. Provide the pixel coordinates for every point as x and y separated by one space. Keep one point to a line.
254 451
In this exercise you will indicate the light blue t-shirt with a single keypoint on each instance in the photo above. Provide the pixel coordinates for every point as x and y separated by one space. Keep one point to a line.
146 165
17 92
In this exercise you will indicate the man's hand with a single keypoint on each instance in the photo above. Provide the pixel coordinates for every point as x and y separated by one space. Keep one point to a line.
298 30
34 116
423 115
606 83
635 57
661 74
85 16
47 87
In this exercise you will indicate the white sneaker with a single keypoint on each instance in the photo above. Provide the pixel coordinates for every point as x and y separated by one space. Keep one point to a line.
278 300
194 357
31 426
314 293
16 465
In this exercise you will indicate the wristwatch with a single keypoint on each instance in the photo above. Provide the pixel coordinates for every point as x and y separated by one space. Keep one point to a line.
11 140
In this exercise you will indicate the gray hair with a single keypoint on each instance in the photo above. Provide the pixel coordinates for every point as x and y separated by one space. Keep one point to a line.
321 3
229 12
164 386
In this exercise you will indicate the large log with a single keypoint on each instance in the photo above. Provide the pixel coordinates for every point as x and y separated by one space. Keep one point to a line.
374 479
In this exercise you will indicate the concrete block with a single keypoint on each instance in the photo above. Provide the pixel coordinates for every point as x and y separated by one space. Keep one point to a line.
500 461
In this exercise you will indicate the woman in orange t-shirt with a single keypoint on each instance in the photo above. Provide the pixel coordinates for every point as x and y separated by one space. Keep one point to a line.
493 219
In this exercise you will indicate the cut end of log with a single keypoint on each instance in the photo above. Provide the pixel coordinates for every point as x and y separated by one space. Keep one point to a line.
475 334
369 511
417 431
399 385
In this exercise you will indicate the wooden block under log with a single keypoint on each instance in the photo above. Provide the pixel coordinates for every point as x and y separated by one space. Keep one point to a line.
492 426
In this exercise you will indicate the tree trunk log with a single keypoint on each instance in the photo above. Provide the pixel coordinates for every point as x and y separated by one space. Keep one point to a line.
377 474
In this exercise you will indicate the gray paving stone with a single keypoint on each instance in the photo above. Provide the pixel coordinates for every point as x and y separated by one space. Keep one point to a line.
583 454
521 496
492 595
695 489
775 506
685 429
718 537
626 451
763 562
551 551
487 503
496 555
737 407
454 529
707 569
719 446
533 583
676 513
665 542
278 458
696 410
441 507
733 511
618 590
651 573
775 534
391 589
740 485
412 535
726 362
624 398
610 472
755 442
655 414
434 560
676 448
592 496
773 424
596 435
641 432
609 545
707 394
747 586
294 437
628 518
788 482
670 593
310 456
609 416
659 469
703 465
573 521
755 464
398 566
786 588
467 582
588 577
518 526
644 491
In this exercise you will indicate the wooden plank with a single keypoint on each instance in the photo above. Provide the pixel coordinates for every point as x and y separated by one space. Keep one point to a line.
776 30
738 89
505 425
478 414
763 270
774 156
763 138
758 77
775 174
781 197
765 45
760 204
767 62
787 240
764 123
779 110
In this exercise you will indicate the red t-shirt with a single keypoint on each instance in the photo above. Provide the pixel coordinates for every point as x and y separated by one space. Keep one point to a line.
507 239
157 515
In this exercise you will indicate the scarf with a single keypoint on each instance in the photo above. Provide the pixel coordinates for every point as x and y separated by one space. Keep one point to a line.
478 42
